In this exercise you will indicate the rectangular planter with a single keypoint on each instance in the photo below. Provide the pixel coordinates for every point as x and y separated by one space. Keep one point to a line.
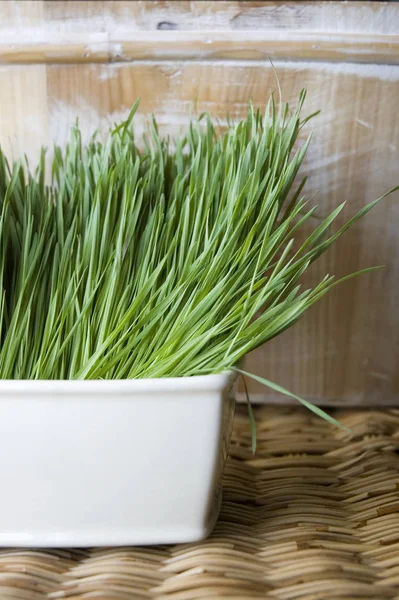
92 463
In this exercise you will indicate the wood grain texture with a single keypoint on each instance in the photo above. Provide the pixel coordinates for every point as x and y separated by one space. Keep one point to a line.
346 349
92 31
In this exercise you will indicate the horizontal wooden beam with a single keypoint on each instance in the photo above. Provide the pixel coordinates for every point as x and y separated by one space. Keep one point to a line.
100 47
46 32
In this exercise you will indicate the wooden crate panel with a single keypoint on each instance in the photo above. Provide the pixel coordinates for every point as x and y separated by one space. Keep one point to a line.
87 60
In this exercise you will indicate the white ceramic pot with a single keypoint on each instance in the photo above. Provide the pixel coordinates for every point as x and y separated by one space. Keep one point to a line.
92 463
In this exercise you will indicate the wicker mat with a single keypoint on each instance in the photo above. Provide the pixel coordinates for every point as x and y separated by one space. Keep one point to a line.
315 515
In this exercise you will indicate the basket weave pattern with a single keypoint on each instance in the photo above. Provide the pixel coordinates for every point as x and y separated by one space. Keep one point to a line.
313 516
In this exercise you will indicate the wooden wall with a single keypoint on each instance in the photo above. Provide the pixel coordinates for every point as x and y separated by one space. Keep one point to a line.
59 60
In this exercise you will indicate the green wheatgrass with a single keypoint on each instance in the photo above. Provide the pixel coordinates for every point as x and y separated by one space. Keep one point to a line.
169 261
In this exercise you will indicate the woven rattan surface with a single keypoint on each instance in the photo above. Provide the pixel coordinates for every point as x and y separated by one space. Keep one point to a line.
315 515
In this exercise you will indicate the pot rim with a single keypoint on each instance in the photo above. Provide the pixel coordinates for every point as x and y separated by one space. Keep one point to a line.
166 385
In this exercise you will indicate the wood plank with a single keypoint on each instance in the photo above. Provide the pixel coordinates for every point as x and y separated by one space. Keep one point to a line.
23 114
166 45
224 15
125 31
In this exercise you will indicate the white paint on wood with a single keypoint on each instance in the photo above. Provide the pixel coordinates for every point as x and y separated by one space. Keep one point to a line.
364 71
364 123
369 71
106 32
308 16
